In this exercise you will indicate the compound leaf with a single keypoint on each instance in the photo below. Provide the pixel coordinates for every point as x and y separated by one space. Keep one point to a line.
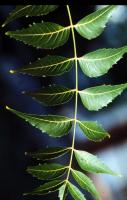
47 188
48 153
47 66
47 171
93 130
85 183
53 125
75 192
91 163
63 192
29 10
93 25
95 98
43 35
52 95
97 63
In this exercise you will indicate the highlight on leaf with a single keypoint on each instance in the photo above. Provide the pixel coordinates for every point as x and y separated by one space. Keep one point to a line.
43 35
53 125
95 98
49 153
97 63
63 192
52 95
48 66
93 25
28 11
93 131
75 192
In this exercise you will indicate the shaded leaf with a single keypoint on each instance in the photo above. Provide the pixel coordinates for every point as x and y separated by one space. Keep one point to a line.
47 66
47 171
47 188
75 192
29 10
93 130
49 153
52 95
55 126
95 98
91 163
86 183
97 63
42 35
63 192
93 25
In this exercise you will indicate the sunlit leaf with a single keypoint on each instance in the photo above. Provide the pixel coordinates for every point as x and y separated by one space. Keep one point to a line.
63 192
75 192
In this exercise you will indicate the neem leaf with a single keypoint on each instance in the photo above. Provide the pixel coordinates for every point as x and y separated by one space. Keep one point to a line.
43 35
97 63
52 95
93 25
91 163
93 130
47 66
86 183
63 192
95 98
53 125
28 11
48 153
47 171
75 192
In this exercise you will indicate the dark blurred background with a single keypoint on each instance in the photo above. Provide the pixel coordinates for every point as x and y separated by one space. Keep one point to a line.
18 137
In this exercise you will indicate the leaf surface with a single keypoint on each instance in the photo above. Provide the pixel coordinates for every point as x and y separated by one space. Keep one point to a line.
29 10
43 35
52 95
49 153
93 25
75 192
63 192
53 125
86 183
47 66
47 171
97 63
93 130
95 98
91 163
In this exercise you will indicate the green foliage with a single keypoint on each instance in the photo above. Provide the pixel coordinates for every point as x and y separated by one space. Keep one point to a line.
48 35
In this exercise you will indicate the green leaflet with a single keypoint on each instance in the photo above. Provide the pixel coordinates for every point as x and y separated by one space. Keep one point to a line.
93 25
47 188
91 163
75 192
47 66
63 192
29 10
97 63
42 35
93 130
95 98
48 153
86 183
52 95
47 171
53 125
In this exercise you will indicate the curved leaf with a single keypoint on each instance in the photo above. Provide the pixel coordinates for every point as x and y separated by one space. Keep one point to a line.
97 63
48 153
93 25
43 35
63 192
29 10
93 130
55 126
47 66
47 188
95 98
75 192
47 171
91 163
86 183
52 95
